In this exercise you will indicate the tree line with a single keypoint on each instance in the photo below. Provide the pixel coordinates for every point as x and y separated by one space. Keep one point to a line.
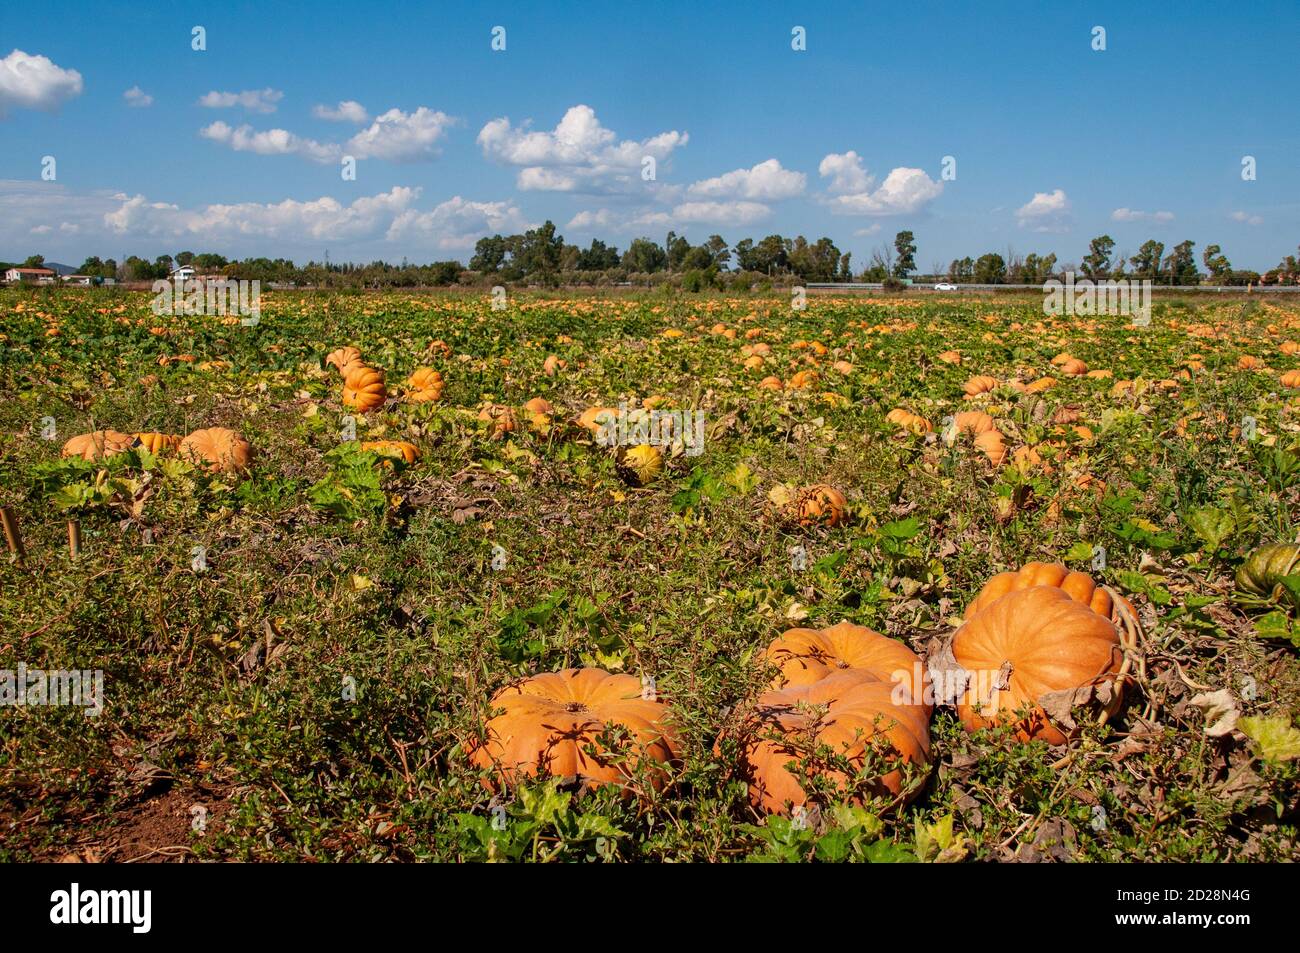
541 256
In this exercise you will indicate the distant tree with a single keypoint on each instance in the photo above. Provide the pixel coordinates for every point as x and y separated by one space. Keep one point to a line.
489 254
1180 266
1096 264
905 246
183 258
719 253
1216 263
1146 263
34 261
990 269
643 255
599 257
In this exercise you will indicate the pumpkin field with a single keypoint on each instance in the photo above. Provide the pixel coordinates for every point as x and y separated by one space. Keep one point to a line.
651 576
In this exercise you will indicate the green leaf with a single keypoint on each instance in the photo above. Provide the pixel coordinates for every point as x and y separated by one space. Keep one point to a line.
1211 525
1079 552
1275 625
1275 738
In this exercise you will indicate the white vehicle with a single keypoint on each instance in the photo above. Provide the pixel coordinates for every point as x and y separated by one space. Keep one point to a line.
944 286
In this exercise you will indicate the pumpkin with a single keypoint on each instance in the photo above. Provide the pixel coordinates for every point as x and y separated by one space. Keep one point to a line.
363 388
979 385
805 656
993 445
551 724
641 464
817 505
802 380
402 449
843 367
1073 367
98 444
539 405
1291 379
596 419
973 422
906 420
1288 347
1037 641
1040 385
501 418
342 358
1079 586
770 383
217 449
424 385
850 712
950 357
1264 568
159 442
1248 363
753 362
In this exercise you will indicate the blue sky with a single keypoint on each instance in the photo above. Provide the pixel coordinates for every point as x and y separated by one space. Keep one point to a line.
1054 142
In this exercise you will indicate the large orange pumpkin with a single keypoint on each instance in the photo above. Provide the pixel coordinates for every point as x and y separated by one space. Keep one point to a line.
809 655
403 449
979 385
850 712
1079 586
550 725
363 388
98 444
906 420
1038 641
424 385
159 442
217 449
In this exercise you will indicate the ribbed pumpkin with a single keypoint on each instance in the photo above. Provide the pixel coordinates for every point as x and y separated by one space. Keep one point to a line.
1265 567
906 420
424 386
950 357
850 712
809 655
363 388
973 422
98 444
1291 379
771 383
817 505
549 725
979 385
1048 642
217 449
342 358
397 449
159 442
802 380
1079 586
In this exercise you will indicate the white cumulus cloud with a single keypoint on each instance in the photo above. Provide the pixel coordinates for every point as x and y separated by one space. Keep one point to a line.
767 181
579 154
1045 212
348 110
401 137
253 100
137 97
458 223
1247 218
1136 215
852 191
269 142
35 82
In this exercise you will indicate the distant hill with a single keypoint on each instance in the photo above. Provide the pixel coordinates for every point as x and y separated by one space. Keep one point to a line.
60 269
